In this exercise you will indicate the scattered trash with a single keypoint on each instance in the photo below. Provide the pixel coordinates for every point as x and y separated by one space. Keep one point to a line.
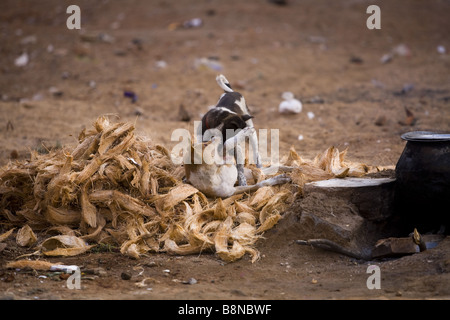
104 37
28 40
315 99
94 37
63 268
207 63
378 84
406 88
387 57
290 104
310 115
161 64
92 84
190 281
441 49
142 283
131 95
317 39
193 23
300 137
188 24
401 50
22 60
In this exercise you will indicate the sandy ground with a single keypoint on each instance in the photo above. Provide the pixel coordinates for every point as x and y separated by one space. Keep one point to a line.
321 51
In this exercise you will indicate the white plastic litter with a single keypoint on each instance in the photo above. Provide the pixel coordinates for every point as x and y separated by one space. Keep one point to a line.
290 104
22 60
63 268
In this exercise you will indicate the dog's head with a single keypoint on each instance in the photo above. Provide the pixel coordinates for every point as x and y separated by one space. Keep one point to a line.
222 120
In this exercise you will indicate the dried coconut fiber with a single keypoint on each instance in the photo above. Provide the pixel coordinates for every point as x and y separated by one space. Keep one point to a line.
118 188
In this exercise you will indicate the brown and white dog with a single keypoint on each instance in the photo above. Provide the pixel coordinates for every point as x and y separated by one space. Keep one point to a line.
231 114
216 179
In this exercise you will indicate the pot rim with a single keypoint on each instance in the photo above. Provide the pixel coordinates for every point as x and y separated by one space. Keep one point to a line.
426 136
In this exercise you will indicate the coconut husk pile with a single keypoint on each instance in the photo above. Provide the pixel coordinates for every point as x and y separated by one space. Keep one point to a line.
118 188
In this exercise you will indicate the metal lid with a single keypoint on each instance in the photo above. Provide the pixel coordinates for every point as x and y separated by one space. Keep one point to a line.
425 136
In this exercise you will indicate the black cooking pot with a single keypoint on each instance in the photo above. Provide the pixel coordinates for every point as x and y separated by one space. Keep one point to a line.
422 192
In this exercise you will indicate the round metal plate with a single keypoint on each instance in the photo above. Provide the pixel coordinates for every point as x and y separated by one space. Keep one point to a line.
425 136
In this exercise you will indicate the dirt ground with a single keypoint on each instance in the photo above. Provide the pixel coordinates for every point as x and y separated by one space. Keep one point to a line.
321 51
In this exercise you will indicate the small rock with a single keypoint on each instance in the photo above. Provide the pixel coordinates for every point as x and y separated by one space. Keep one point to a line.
356 60
125 276
98 272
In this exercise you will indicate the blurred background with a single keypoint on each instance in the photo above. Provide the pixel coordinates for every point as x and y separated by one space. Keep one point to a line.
154 63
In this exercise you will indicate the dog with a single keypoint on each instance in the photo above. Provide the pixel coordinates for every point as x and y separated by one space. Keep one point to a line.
230 114
218 178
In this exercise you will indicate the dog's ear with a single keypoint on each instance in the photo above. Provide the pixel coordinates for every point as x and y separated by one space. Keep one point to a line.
246 117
